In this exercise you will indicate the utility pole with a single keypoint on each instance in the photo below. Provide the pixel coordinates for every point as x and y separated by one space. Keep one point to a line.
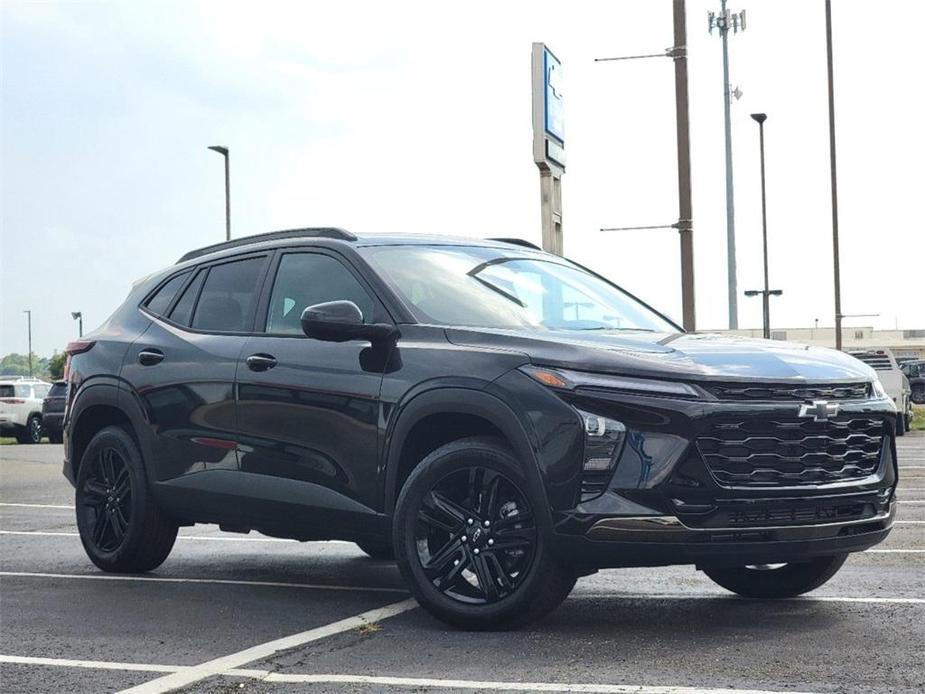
832 168
29 316
224 152
725 21
685 206
685 224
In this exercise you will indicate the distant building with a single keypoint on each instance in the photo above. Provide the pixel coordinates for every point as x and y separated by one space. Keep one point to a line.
905 344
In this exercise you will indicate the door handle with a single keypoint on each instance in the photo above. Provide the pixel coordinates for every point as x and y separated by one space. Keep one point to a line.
150 357
260 362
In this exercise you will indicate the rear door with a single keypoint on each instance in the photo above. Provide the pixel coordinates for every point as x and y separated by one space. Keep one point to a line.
182 368
308 410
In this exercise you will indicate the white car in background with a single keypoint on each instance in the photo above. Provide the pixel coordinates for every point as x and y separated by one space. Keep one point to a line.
894 382
21 407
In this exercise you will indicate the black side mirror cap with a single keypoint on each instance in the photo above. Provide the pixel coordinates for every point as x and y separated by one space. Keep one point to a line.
341 321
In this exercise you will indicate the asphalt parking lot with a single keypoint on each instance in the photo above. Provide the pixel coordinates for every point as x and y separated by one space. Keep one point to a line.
246 613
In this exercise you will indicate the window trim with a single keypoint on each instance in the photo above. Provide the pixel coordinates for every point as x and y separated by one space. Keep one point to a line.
160 285
206 268
380 312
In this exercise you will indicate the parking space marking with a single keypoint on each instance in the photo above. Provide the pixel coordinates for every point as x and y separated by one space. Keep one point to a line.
218 666
90 664
215 581
908 522
415 682
203 538
419 682
70 508
896 551
732 599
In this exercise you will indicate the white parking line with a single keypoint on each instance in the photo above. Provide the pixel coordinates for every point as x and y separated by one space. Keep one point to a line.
90 664
71 508
205 538
732 599
415 682
265 650
896 551
216 581
909 522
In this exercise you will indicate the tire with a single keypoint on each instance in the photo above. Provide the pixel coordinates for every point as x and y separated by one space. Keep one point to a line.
136 536
56 437
32 432
498 575
918 396
901 424
380 550
783 581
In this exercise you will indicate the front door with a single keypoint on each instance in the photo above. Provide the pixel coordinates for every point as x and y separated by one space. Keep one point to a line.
308 410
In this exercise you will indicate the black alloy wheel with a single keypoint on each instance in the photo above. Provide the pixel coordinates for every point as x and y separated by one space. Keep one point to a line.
121 526
476 536
107 499
470 542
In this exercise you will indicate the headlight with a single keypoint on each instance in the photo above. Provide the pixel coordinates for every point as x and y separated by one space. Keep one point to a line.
604 440
570 380
876 390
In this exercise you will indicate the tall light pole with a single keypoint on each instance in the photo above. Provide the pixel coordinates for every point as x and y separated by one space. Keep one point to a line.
766 293
837 268
224 152
29 315
725 21
79 317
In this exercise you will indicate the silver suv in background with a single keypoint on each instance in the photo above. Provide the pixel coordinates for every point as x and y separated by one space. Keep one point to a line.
894 382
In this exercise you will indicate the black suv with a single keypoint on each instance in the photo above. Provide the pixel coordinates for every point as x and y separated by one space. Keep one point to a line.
500 419
53 411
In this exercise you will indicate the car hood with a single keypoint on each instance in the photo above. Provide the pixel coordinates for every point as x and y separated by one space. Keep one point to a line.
708 357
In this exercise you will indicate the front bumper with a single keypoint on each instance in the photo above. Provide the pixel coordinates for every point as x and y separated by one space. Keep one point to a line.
662 509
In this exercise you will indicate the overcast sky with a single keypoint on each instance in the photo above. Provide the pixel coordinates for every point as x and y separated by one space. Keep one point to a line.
415 117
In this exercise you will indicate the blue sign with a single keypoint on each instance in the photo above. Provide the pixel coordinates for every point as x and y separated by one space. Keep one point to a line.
555 117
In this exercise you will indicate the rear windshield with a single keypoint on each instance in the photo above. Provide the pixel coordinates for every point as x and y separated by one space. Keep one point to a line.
57 390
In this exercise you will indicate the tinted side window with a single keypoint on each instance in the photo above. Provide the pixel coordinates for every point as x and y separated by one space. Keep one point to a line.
305 279
160 302
183 310
229 296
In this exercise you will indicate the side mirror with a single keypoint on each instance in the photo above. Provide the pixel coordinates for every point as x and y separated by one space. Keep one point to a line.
340 321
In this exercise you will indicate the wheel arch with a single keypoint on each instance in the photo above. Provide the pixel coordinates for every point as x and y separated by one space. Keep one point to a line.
417 431
97 405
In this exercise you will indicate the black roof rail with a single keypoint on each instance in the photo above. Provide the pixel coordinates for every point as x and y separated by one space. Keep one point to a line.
519 242
319 232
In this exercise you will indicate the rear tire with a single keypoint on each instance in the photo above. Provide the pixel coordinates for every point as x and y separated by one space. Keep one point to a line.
56 437
121 528
770 582
918 396
380 550
32 432
495 572
901 424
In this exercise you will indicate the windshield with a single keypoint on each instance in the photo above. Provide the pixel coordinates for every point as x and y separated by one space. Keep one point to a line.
485 287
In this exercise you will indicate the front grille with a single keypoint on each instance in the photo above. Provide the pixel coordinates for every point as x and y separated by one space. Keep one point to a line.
787 392
791 452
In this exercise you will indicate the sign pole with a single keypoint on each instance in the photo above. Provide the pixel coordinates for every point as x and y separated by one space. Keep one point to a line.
548 142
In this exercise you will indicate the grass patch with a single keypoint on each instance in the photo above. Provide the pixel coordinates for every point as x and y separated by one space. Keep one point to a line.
918 418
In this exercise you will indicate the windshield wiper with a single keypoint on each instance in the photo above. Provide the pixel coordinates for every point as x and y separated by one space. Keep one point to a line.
506 295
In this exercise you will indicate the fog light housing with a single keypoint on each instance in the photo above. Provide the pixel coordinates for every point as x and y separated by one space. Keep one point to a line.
604 439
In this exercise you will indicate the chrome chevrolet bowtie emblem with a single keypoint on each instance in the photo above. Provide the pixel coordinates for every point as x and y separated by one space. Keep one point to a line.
819 410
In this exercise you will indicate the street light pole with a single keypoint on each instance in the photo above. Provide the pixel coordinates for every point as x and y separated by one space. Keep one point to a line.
79 317
224 152
766 293
29 315
834 183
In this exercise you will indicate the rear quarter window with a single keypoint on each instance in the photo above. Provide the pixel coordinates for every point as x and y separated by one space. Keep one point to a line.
161 300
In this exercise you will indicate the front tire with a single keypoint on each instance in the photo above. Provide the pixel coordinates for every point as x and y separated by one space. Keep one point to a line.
468 542
121 528
777 580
